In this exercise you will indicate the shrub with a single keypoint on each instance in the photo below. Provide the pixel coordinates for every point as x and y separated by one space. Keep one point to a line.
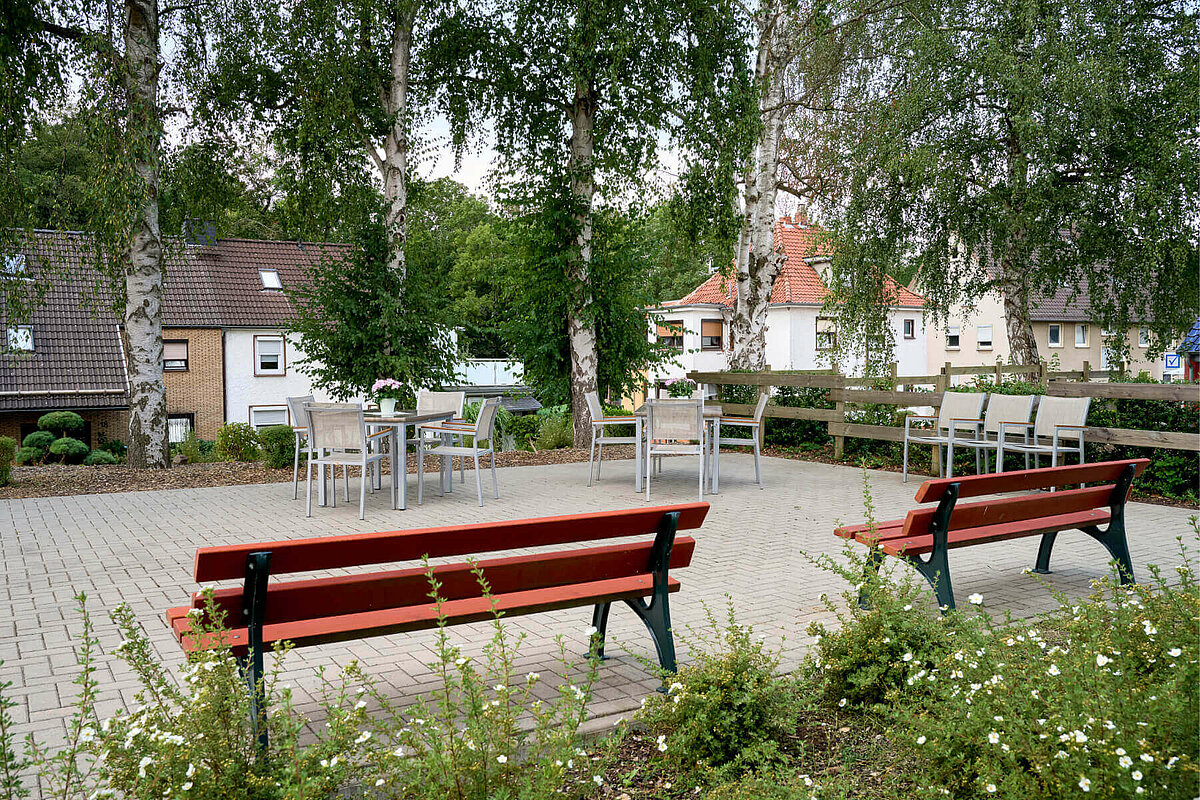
278 446
196 450
237 441
98 457
61 423
555 432
40 440
114 446
69 451
523 429
726 712
8 449
29 456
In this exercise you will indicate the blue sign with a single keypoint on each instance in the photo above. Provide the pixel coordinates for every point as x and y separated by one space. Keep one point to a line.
1174 361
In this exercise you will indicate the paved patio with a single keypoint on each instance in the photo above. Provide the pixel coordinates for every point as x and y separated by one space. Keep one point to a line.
138 548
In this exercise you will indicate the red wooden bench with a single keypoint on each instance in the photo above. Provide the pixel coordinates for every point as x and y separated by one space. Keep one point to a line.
932 531
314 611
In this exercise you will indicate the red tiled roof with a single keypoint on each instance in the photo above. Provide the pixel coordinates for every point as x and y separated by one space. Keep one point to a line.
798 281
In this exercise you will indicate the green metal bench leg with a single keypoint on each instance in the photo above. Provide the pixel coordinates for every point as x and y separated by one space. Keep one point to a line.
1114 542
600 623
254 601
657 617
1042 567
870 569
936 570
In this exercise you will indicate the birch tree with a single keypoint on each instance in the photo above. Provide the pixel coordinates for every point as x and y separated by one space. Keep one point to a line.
1019 148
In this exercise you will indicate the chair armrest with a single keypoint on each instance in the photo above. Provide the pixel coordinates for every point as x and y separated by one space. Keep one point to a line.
615 420
299 428
977 424
378 433
910 417
1059 428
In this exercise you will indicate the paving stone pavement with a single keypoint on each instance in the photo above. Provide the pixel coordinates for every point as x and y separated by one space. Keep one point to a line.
138 548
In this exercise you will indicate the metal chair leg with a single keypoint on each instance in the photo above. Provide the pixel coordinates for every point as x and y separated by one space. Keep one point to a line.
599 459
495 483
478 479
308 488
296 470
592 457
904 466
362 490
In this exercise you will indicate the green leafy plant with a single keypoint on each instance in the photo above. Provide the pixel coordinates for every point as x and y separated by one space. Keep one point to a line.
98 457
8 449
69 451
237 441
555 432
278 446
61 423
197 451
29 456
114 446
41 441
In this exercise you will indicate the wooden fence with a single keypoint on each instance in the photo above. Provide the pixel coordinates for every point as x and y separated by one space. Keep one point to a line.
841 391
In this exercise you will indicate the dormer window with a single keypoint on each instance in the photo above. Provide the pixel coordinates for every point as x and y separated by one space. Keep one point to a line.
270 278
14 265
20 338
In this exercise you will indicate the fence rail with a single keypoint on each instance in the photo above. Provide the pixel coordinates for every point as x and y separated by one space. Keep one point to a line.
841 391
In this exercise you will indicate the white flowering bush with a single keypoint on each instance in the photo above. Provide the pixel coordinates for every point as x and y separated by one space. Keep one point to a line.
725 713
482 734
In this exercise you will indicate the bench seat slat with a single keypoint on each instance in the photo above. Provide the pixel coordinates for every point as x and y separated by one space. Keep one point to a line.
920 545
932 491
885 530
335 552
348 594
1011 509
345 627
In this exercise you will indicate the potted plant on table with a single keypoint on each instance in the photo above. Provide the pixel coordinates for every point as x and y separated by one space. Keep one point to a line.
387 391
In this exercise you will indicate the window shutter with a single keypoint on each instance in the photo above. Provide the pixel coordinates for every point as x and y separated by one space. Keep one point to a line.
175 351
712 327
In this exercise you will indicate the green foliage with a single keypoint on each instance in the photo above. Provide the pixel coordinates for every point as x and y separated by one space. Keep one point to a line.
40 440
681 387
114 446
30 456
61 423
725 713
278 446
237 441
523 429
555 431
97 457
69 451
358 320
197 451
8 449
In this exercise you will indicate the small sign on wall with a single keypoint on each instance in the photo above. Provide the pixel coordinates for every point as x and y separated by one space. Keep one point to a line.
1173 361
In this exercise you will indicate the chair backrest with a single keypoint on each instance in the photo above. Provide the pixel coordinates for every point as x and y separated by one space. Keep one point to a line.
486 419
1061 411
680 420
296 410
1007 408
594 407
336 428
761 408
960 405
433 402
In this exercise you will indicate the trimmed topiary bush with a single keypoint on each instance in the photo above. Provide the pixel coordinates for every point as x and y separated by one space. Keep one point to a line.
30 456
97 457
8 448
114 446
40 440
278 446
237 441
61 423
69 451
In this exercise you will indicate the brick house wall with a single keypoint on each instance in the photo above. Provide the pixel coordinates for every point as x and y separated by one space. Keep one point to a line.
200 389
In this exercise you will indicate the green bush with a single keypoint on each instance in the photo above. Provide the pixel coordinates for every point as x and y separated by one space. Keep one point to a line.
8 449
40 440
523 429
61 423
30 456
69 451
278 446
237 441
197 451
555 432
98 457
114 446
726 712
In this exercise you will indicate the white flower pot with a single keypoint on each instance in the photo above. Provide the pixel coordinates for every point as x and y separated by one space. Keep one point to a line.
387 406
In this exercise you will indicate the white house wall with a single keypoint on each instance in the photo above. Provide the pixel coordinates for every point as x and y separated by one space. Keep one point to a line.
245 390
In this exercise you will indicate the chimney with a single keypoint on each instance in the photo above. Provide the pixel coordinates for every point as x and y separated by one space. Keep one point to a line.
801 216
199 233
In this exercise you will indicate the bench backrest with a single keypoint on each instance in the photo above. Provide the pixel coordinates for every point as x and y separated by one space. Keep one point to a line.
1025 507
337 552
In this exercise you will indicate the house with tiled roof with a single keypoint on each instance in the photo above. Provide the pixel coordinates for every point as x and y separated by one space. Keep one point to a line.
799 335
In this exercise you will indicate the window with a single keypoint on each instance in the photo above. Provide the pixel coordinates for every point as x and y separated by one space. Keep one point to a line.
270 278
670 334
1055 335
266 416
14 265
1143 337
268 356
1081 335
712 334
20 337
952 337
983 337
179 426
826 333
910 329
175 357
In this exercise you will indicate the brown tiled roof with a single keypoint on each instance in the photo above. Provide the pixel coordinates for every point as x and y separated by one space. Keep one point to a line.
798 281
77 362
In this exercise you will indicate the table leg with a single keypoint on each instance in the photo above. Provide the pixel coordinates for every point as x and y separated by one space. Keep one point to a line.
716 456
400 479
637 454
447 465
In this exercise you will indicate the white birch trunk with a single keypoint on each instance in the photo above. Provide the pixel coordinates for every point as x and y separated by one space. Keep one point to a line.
581 330
1014 289
143 278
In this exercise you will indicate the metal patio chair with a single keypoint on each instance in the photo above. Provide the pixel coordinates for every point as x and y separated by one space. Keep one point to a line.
429 402
339 437
985 438
300 431
676 427
1057 428
955 405
484 429
754 424
599 437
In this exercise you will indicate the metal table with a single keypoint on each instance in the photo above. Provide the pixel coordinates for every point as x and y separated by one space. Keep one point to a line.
712 415
399 422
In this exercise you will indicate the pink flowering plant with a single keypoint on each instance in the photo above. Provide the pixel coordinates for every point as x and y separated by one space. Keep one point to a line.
389 388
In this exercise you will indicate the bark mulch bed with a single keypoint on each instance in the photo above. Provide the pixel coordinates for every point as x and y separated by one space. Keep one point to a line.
58 480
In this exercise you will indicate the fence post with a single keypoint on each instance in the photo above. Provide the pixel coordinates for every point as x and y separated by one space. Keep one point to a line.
1087 371
943 386
1043 375
999 374
894 370
762 428
839 408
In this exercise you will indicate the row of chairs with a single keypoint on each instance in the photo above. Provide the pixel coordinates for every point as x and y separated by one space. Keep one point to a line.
1005 427
339 434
